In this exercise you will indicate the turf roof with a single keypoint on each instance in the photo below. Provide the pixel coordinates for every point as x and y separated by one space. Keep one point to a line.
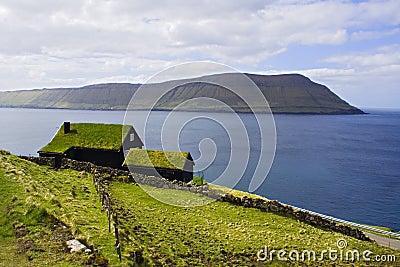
88 135
156 158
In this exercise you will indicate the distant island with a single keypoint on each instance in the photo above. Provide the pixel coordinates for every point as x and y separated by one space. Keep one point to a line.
286 93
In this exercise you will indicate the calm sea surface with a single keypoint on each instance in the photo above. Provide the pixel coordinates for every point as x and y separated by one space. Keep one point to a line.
344 166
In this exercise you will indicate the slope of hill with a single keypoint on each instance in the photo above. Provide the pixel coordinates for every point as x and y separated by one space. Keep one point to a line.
41 208
99 96
288 93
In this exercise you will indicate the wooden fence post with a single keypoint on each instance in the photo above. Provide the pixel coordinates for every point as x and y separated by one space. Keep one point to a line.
117 243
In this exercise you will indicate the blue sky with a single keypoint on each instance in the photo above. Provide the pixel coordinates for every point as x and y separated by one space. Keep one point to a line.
353 47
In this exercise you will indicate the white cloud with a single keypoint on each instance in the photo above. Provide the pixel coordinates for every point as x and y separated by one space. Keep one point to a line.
112 26
371 35
368 78
365 88
387 55
49 71
65 43
371 79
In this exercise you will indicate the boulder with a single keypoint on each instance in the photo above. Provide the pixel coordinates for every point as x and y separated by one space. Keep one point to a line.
75 246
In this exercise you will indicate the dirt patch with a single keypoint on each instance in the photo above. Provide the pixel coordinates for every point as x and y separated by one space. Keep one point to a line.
25 244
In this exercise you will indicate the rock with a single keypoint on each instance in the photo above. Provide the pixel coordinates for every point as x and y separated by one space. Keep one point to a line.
20 229
75 246
303 216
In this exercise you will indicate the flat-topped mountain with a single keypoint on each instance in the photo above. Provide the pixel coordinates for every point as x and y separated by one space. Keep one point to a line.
286 93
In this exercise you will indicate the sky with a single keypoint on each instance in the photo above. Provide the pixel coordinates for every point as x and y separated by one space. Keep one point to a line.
353 47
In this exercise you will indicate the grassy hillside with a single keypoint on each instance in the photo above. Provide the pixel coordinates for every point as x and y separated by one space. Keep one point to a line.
100 96
290 93
51 206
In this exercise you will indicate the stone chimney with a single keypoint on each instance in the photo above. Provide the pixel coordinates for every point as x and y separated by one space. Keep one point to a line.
67 127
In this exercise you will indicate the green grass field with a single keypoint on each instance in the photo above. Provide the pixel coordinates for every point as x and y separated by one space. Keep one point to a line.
152 233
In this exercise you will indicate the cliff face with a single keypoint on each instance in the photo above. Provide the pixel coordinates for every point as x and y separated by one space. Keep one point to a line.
287 93
293 93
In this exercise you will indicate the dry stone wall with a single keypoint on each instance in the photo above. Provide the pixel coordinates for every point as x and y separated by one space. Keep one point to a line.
261 204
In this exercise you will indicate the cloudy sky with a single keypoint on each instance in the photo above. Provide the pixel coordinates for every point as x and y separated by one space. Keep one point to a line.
353 47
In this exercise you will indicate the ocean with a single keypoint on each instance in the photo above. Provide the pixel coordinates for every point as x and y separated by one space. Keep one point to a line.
346 166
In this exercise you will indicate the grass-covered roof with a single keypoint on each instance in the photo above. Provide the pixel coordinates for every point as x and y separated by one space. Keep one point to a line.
156 158
88 135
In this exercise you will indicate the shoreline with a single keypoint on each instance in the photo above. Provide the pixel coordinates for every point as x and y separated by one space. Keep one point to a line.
197 111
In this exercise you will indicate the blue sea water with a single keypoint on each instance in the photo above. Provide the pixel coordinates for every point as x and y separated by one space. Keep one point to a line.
339 165
345 166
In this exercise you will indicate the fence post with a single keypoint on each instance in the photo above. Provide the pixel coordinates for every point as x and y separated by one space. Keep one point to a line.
117 243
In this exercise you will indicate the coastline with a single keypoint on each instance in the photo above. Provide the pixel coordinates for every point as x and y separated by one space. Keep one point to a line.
349 112
45 130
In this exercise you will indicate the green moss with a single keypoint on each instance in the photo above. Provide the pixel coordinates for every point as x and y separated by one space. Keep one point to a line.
234 192
156 158
88 135
198 181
